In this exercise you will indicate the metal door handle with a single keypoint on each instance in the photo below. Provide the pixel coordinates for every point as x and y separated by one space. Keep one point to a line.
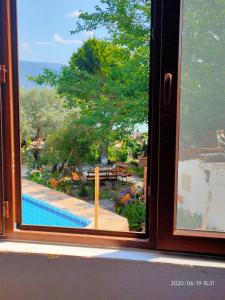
168 79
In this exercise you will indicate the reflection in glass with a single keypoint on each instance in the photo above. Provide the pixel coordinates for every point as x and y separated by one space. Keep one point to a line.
201 169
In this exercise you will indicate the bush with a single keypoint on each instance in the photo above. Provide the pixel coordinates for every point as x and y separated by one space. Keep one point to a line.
52 180
41 176
138 146
36 177
138 171
135 214
118 154
28 158
130 204
122 155
83 192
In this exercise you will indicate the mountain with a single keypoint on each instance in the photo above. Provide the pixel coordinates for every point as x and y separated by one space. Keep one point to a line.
30 68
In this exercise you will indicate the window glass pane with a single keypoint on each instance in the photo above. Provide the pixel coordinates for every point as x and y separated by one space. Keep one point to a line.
201 171
84 99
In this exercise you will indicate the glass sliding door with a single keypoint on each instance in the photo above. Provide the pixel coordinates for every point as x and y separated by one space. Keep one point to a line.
201 168
2 83
1 160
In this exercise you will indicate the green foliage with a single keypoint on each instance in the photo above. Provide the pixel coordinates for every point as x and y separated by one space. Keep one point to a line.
101 90
138 171
122 155
27 156
138 145
64 185
107 81
130 204
136 215
40 177
36 177
127 22
117 155
89 58
109 98
83 192
72 143
42 111
107 194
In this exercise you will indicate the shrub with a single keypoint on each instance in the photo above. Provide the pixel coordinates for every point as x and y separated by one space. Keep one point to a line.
130 204
135 213
122 155
28 158
118 154
138 171
36 177
83 192
41 176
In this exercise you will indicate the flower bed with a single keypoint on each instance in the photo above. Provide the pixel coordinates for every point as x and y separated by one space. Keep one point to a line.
130 204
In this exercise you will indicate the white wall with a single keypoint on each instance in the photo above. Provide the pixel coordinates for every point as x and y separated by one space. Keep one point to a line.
37 277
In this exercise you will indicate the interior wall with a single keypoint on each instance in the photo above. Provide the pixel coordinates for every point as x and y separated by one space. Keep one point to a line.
34 277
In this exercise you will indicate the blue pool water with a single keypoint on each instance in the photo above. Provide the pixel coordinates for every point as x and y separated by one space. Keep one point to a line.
36 212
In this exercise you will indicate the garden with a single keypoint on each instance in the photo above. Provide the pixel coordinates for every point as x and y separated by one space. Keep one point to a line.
94 113
121 177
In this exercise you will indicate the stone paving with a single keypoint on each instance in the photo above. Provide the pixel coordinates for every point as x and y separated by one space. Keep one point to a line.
107 220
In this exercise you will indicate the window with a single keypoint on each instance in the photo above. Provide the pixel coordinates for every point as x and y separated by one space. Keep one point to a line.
201 148
191 155
84 134
97 137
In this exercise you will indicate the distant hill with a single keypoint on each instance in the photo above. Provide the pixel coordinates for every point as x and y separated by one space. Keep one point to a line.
30 68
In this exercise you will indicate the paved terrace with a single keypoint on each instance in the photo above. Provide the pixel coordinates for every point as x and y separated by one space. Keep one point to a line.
107 220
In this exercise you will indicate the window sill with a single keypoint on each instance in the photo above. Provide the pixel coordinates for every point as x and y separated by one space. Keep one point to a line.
114 254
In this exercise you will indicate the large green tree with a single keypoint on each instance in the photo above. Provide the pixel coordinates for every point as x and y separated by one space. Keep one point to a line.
126 21
128 24
42 111
98 83
73 143
108 80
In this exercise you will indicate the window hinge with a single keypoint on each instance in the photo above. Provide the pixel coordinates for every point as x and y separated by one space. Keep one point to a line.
3 74
6 209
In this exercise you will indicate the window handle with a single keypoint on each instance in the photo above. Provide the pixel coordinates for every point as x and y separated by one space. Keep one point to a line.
168 79
2 74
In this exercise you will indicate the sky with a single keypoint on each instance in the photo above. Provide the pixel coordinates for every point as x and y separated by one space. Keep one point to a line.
44 29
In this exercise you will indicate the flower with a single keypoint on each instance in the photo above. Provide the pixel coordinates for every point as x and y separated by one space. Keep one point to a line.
53 182
133 189
75 176
125 198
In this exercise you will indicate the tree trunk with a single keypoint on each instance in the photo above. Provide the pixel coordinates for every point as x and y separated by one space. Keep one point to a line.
38 134
105 149
80 169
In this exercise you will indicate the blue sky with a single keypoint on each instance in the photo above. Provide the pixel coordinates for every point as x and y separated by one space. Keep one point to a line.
44 29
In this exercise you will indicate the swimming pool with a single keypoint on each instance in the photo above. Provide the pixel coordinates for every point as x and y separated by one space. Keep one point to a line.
37 212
